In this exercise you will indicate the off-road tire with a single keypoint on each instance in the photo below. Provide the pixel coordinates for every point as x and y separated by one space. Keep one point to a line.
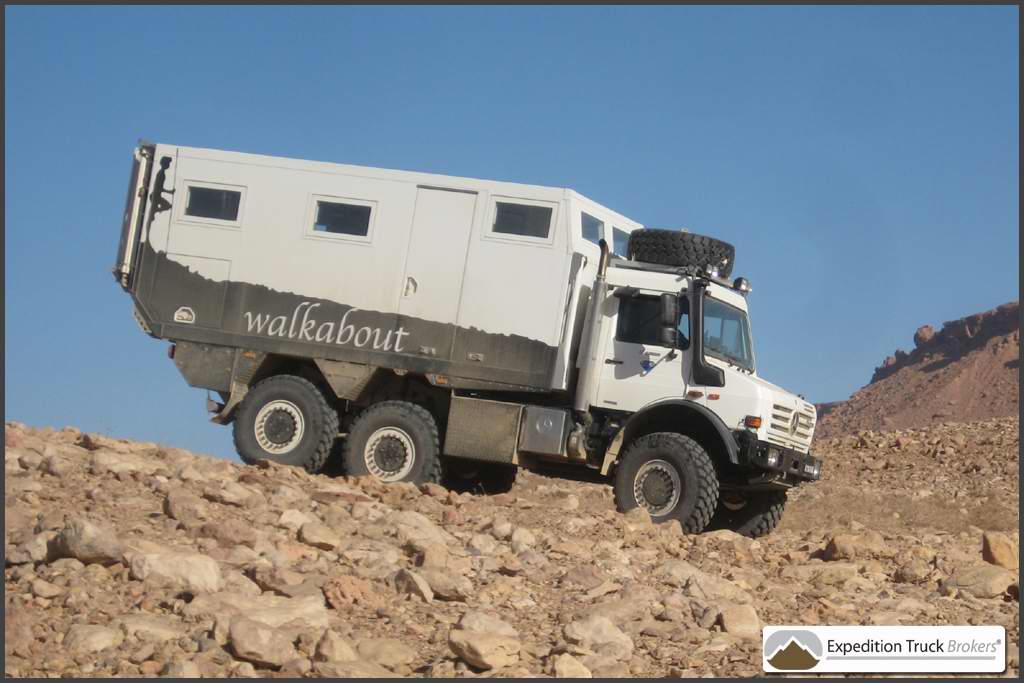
758 517
414 422
320 422
698 494
471 476
673 248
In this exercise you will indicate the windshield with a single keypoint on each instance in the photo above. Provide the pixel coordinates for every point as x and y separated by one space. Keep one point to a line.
727 334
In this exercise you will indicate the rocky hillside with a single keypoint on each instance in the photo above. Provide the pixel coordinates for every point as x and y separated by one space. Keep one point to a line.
137 559
967 370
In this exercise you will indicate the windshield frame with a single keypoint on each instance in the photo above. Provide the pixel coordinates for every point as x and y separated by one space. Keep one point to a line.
752 368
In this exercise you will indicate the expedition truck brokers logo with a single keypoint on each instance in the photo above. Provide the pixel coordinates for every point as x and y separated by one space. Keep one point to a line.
302 326
796 650
884 649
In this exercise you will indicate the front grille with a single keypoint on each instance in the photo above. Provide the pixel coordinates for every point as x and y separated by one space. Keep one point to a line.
781 429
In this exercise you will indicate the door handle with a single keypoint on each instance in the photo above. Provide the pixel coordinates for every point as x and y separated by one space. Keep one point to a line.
612 361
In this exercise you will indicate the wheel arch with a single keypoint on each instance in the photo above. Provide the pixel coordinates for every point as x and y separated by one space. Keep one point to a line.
682 417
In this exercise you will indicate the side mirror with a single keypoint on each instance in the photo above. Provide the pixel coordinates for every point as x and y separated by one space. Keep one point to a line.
670 320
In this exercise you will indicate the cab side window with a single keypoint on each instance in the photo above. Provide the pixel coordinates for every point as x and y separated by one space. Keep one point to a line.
639 321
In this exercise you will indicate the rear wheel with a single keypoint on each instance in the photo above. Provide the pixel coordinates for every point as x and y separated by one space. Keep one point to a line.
750 513
671 476
471 476
394 441
287 420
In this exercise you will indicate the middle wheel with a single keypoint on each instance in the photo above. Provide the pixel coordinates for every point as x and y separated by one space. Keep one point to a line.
394 441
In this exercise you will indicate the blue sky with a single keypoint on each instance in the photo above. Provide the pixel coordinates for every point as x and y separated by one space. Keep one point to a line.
864 160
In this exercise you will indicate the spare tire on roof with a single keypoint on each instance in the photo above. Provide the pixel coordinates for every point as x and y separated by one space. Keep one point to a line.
674 248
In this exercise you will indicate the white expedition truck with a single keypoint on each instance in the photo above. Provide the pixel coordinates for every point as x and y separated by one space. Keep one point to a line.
445 328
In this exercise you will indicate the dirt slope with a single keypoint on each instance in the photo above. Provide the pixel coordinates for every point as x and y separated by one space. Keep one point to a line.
968 370
138 559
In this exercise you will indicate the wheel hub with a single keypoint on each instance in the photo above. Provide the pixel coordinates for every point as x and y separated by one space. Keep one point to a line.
279 427
657 487
389 454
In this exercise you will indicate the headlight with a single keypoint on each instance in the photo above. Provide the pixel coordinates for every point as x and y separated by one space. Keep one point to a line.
772 458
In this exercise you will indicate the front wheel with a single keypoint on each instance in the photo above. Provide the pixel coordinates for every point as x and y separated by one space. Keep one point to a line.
671 476
394 441
750 513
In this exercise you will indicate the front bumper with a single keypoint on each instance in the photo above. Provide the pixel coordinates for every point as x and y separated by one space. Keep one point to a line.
787 464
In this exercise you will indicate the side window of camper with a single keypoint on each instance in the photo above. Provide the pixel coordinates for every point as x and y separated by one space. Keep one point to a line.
340 218
522 220
593 229
212 203
621 242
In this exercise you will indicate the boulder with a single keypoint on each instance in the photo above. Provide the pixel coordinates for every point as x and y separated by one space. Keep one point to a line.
409 582
319 536
447 585
567 666
390 653
740 620
258 643
601 635
982 581
484 650
270 610
88 543
1001 550
193 572
483 622
334 648
85 639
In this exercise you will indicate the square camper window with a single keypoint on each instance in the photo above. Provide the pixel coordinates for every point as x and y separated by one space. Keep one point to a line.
523 220
620 239
593 229
342 219
209 202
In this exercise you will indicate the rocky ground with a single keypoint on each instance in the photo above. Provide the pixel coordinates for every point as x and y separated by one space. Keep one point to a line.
136 559
968 370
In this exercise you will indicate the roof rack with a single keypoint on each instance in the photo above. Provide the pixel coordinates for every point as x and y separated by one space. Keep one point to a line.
692 271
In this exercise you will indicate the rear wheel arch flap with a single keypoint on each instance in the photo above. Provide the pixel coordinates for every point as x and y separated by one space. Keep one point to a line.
666 416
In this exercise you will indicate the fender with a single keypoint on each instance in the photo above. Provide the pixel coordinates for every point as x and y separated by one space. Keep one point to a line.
683 405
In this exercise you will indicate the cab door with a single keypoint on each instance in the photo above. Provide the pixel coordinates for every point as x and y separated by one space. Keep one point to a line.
637 368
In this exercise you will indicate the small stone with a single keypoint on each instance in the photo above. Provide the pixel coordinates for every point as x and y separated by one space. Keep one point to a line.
45 589
522 539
